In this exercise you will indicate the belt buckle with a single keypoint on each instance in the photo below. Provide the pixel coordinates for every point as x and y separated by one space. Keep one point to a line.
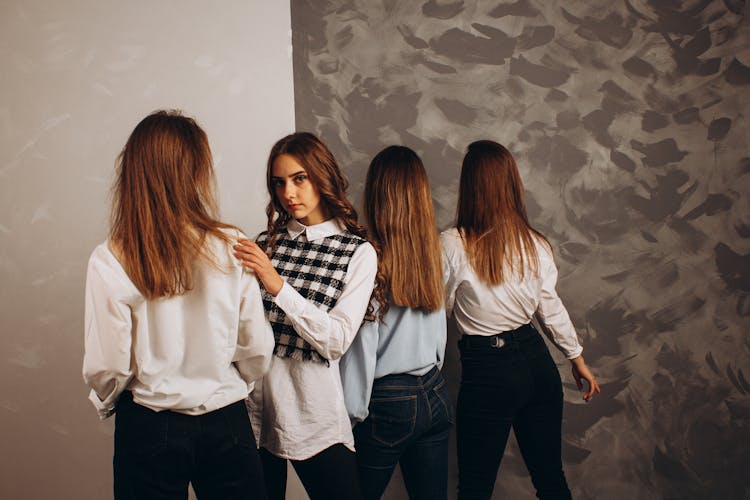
497 342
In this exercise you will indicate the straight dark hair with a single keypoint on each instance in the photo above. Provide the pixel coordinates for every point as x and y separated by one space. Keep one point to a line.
401 222
163 203
492 215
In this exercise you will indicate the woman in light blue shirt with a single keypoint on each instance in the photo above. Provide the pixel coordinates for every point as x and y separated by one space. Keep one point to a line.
393 388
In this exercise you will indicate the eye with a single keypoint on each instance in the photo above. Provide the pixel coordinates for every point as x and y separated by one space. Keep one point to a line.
277 182
300 178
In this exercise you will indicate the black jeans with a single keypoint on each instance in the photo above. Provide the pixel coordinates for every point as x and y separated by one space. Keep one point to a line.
158 453
409 423
331 474
516 385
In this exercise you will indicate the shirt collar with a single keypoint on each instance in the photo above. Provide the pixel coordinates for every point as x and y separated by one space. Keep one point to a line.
314 232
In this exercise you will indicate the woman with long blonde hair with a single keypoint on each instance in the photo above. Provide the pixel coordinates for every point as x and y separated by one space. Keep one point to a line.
318 273
502 274
175 334
395 392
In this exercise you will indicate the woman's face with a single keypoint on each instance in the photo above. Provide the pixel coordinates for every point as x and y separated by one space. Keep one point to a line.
297 194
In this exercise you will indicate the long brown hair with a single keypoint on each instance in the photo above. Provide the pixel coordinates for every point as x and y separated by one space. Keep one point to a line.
163 203
492 215
401 222
325 174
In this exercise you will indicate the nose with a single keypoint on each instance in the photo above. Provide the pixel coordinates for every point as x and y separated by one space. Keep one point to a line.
289 191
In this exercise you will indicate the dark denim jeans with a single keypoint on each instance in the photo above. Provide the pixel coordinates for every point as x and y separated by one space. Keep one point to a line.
158 453
332 473
516 385
409 423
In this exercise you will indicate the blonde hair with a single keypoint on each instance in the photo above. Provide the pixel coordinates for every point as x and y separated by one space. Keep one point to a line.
401 223
163 203
492 215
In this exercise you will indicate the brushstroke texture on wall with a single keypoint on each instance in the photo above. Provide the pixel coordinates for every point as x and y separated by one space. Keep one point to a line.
629 121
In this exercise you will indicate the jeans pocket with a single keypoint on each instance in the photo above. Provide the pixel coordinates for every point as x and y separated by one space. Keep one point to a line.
139 431
237 422
441 391
393 419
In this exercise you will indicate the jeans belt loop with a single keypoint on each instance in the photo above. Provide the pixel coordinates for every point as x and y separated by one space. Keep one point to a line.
497 342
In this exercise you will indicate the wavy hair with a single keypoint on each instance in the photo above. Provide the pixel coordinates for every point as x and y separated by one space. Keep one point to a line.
401 221
492 215
163 203
325 174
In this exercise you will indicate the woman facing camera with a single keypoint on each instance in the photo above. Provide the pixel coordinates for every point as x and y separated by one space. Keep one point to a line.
391 373
175 333
318 272
502 274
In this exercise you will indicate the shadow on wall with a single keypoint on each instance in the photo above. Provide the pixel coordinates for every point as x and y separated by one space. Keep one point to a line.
628 121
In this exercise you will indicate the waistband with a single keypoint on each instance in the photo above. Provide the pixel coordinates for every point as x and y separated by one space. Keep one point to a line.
519 334
126 399
404 380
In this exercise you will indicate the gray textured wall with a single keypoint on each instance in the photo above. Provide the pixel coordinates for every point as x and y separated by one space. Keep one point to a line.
76 78
629 123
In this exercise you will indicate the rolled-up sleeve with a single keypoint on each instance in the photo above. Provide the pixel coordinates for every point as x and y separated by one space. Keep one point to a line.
357 369
553 316
255 336
107 364
448 243
330 333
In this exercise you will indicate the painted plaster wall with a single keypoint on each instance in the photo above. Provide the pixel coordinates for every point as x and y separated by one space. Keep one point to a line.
76 77
629 123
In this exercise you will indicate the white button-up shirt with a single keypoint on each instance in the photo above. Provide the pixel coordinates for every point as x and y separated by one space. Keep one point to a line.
480 309
298 409
191 353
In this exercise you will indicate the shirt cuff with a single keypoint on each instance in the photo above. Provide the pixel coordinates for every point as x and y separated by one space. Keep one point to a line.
575 353
102 410
289 300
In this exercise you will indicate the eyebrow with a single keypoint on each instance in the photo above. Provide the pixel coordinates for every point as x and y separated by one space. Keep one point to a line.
295 174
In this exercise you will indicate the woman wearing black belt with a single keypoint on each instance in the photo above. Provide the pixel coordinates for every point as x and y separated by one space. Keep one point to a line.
502 274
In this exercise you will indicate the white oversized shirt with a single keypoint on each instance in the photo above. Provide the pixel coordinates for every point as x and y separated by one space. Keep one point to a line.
191 353
298 409
480 309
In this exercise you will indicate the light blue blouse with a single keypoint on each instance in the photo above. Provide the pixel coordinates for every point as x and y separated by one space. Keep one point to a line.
405 341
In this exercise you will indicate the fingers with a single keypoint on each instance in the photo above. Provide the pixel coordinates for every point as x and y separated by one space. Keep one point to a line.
577 377
588 395
253 258
249 253
593 388
581 371
253 261
247 246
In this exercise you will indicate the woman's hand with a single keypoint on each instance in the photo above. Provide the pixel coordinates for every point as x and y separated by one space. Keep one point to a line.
581 371
254 258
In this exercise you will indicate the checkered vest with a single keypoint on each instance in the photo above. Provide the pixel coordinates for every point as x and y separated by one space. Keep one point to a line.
317 271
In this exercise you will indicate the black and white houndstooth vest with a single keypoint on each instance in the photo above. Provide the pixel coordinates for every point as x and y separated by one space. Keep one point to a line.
317 271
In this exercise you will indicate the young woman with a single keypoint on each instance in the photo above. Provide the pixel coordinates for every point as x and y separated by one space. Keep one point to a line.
502 273
391 373
175 333
318 272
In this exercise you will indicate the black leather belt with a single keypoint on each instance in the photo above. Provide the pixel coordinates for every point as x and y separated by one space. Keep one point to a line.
499 340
